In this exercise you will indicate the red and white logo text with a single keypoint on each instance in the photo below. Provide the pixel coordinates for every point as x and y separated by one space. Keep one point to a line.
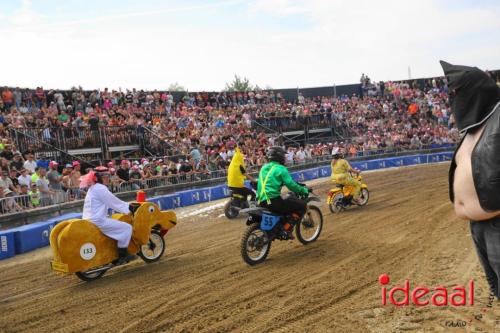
423 296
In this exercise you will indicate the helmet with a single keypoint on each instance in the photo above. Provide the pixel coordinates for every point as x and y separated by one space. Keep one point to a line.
100 171
276 154
336 153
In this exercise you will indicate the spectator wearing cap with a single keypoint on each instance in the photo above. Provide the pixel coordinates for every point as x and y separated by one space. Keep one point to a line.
7 203
54 178
135 178
30 164
66 179
115 181
24 178
34 196
146 171
42 184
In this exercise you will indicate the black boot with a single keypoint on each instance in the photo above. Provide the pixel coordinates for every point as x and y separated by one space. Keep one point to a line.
123 256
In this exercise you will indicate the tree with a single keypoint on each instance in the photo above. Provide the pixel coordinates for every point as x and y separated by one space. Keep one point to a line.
176 87
239 84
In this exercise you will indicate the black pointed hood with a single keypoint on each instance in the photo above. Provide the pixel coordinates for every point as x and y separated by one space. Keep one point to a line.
473 95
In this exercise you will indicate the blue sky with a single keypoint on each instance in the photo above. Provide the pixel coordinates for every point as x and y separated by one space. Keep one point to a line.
202 44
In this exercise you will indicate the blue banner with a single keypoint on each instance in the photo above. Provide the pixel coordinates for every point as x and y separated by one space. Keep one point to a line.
32 236
7 244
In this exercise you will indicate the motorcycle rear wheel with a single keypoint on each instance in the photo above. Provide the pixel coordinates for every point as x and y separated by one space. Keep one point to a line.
255 240
336 204
309 228
230 211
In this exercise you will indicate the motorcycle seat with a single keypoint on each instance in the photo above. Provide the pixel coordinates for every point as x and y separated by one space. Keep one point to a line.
258 209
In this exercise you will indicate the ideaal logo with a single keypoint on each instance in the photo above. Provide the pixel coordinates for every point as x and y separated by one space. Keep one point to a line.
422 296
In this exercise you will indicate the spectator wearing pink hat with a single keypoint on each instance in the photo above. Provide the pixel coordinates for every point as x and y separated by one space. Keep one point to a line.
74 182
115 181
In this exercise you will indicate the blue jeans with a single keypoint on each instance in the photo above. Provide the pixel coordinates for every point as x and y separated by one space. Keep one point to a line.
486 237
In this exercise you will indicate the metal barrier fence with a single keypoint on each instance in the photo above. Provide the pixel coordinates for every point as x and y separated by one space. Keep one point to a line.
23 202
15 204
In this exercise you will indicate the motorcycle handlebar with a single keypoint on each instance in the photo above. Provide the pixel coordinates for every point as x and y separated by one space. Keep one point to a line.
133 207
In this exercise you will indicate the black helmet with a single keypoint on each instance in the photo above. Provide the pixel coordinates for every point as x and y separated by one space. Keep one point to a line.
276 154
337 154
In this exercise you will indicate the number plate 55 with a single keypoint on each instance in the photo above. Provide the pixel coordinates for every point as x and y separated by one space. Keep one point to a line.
268 222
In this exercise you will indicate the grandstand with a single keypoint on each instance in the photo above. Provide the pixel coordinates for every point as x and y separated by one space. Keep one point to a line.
170 139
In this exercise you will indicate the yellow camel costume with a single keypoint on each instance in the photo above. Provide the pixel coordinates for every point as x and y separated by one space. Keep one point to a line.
78 245
234 176
341 175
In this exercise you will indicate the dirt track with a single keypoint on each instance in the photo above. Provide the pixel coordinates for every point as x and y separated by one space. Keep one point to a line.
408 230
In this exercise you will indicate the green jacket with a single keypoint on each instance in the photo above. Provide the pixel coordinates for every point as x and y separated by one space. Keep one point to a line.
272 177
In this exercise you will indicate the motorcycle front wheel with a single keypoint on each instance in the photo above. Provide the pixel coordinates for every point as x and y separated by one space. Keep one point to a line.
153 250
309 228
363 198
230 211
255 245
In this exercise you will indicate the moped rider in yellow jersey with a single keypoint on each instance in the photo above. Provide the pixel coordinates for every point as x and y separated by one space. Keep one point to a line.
236 175
341 174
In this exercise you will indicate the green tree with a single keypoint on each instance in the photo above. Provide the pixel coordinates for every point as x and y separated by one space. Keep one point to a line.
239 84
176 87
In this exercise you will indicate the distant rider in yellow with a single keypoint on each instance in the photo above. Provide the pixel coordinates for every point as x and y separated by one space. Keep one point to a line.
236 175
341 174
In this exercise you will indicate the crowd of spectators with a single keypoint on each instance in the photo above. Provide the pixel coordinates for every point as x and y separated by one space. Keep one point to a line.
201 131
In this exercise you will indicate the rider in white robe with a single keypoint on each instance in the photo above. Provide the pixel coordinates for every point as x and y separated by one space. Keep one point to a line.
97 203
95 209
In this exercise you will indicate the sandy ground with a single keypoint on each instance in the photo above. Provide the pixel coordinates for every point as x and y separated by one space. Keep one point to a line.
408 230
